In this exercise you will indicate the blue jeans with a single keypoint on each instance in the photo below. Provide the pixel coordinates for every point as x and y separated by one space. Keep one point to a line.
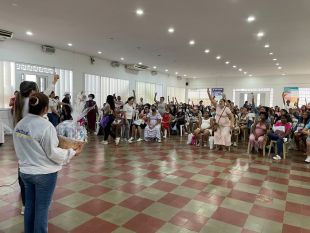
274 137
39 191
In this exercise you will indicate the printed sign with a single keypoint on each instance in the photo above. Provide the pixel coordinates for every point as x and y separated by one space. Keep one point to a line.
218 93
291 94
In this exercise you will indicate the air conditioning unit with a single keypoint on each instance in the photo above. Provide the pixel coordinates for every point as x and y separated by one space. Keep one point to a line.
48 49
4 34
136 67
179 77
153 72
115 64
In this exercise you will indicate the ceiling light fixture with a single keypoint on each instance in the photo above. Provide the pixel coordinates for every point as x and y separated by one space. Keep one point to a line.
240 69
171 30
227 62
283 74
277 64
166 70
234 67
70 44
275 59
260 34
139 12
267 46
176 73
245 72
207 50
99 52
192 42
218 57
271 53
250 75
251 19
29 33
185 75
154 67
279 68
122 59
140 63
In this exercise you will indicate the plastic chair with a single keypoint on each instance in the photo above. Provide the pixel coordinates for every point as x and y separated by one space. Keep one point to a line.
285 148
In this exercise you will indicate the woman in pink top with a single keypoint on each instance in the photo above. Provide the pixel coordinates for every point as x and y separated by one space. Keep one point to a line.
224 123
279 134
259 129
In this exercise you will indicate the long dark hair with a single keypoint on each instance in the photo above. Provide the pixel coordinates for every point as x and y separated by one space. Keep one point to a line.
26 88
110 101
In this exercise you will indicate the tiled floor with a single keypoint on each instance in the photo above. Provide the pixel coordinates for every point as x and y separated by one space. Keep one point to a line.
168 188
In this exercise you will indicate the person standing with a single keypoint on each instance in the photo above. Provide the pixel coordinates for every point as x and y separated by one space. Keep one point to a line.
40 158
66 108
92 113
53 114
128 116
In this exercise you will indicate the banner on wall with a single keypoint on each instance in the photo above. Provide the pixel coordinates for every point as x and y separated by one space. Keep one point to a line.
291 93
218 93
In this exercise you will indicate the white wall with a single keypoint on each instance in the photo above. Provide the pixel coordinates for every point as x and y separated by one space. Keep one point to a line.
277 83
20 51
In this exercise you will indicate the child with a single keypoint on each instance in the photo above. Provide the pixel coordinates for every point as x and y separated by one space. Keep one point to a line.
165 124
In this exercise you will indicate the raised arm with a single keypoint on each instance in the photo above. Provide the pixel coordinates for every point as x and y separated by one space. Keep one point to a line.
283 98
212 100
155 98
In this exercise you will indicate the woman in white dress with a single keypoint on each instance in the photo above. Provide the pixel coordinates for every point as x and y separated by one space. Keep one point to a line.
224 123
152 130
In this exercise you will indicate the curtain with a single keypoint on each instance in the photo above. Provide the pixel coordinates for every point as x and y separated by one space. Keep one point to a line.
7 82
176 92
65 83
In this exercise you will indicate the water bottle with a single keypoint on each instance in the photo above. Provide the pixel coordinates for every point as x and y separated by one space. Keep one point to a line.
211 142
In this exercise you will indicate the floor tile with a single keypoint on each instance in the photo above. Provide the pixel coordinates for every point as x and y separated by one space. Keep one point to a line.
118 215
144 224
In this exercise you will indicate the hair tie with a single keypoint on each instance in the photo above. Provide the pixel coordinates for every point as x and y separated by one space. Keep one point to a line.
37 101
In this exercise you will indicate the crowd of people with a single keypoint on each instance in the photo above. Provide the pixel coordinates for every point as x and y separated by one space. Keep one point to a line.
220 124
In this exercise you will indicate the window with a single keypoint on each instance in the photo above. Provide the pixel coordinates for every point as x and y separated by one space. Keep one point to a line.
262 96
195 95
304 96
176 92
65 83
147 91
7 82
101 87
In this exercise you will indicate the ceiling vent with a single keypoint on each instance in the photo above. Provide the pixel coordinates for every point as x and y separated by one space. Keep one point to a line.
154 72
115 64
136 67
48 49
5 35
179 77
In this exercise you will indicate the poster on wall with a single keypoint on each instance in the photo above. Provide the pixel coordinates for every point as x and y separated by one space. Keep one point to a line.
291 94
218 93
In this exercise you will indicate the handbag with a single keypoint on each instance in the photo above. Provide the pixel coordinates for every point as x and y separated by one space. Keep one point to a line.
104 121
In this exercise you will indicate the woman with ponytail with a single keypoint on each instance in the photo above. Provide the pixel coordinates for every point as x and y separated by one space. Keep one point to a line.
21 109
40 159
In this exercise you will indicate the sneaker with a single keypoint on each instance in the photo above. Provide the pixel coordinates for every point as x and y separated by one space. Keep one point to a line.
22 212
307 159
235 144
104 142
117 141
159 140
277 157
164 137
146 140
131 139
139 140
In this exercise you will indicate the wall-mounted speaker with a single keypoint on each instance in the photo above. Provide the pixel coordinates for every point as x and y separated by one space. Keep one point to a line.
92 60
186 83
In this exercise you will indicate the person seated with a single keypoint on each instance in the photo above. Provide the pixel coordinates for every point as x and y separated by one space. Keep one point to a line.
153 122
299 134
306 131
258 132
243 121
204 130
281 131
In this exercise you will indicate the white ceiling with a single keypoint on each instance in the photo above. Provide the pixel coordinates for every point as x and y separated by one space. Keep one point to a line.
112 27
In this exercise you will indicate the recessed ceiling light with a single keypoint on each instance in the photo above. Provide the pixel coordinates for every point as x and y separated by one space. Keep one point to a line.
99 52
207 50
267 46
185 75
283 74
140 63
155 67
192 42
275 59
250 75
260 34
251 19
218 57
280 68
139 11
240 69
234 67
271 53
29 33
245 72
277 64
227 62
70 44
176 73
171 30
122 59
14 4
166 70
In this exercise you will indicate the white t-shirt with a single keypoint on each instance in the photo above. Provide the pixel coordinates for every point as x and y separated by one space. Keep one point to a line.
36 145
205 124
52 105
129 110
